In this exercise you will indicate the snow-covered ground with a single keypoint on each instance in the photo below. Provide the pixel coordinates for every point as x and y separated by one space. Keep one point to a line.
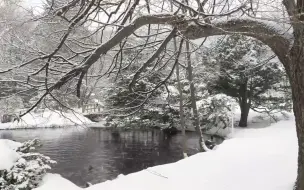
48 118
254 158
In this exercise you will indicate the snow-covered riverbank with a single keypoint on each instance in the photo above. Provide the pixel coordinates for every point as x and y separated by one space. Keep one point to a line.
48 118
263 158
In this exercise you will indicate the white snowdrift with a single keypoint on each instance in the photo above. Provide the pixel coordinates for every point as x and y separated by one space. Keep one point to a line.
8 155
48 118
263 159
56 182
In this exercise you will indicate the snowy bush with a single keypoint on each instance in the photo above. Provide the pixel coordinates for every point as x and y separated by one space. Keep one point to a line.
215 112
27 171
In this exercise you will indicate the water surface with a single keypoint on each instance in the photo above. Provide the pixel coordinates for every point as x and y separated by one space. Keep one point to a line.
96 155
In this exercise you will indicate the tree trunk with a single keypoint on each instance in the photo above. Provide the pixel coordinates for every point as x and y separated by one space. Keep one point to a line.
202 144
181 104
181 112
244 104
244 115
298 108
296 77
245 107
181 107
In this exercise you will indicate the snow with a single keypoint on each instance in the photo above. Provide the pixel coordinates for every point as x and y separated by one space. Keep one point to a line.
254 158
8 155
173 90
48 118
55 181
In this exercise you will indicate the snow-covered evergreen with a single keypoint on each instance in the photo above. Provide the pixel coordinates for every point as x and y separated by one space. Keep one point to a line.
246 70
27 172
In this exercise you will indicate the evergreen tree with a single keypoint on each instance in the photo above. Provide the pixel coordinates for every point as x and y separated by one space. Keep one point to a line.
246 73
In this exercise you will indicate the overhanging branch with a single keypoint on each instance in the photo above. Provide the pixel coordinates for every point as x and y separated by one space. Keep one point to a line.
152 58
261 31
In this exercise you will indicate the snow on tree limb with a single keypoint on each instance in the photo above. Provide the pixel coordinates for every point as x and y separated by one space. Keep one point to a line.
276 41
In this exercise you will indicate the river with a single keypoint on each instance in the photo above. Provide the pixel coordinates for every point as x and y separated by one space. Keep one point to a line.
96 155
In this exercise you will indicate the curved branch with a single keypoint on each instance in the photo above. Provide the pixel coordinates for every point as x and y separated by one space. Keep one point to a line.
270 36
116 39
290 8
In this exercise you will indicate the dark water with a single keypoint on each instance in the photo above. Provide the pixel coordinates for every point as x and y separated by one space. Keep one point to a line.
96 155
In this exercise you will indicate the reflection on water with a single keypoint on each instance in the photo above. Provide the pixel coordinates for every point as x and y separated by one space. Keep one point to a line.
96 155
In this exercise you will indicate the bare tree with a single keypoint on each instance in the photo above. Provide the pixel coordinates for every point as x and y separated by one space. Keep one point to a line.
202 144
149 22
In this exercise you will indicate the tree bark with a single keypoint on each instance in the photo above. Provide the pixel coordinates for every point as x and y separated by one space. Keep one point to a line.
298 108
244 104
295 70
244 115
296 77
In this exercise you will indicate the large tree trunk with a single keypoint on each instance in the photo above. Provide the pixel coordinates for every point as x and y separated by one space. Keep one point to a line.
296 75
298 108
295 71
